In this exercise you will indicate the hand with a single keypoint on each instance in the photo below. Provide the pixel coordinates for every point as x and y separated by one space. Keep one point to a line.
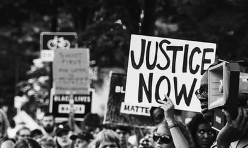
168 108
234 129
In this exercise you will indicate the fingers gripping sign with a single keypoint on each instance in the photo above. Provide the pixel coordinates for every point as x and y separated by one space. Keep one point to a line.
168 108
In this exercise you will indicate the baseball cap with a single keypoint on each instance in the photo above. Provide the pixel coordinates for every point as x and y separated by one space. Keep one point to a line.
62 128
83 135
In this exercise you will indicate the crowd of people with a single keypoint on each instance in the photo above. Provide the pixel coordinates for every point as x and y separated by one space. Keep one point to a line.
169 132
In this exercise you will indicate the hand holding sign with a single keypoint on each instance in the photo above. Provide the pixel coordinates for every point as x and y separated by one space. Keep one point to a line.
168 108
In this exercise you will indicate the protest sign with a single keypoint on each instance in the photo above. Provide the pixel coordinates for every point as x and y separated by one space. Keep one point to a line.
71 71
124 114
163 66
61 108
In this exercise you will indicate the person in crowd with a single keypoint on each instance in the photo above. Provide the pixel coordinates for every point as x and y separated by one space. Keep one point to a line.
107 138
46 142
124 133
157 115
146 142
5 141
27 143
22 133
235 132
48 126
36 134
171 133
202 132
62 138
82 140
92 124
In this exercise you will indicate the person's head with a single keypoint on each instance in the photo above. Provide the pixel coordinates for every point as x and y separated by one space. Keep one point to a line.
23 133
163 138
47 142
36 134
4 123
48 122
107 138
201 131
123 132
62 134
82 139
202 95
157 115
27 143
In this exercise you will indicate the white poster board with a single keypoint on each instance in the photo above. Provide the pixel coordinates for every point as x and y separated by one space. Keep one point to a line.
71 71
163 66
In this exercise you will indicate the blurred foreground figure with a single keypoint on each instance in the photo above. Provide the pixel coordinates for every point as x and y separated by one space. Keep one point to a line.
27 143
5 142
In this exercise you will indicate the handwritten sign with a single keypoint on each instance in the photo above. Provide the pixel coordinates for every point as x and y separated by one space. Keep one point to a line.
164 66
71 71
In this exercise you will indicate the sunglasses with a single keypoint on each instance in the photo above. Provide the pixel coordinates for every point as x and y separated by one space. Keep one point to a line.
166 139
202 90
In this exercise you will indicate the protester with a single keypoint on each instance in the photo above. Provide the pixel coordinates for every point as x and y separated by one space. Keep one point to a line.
82 140
146 142
202 132
27 143
36 134
5 142
46 142
123 133
92 124
171 133
235 133
48 125
22 133
107 138
62 138
157 115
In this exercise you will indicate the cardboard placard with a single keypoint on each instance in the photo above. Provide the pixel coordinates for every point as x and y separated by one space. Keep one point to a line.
120 113
163 66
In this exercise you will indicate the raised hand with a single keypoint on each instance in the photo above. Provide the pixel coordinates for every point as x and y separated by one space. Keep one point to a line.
168 108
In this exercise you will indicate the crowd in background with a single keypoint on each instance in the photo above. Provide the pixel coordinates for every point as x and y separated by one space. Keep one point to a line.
168 131
91 133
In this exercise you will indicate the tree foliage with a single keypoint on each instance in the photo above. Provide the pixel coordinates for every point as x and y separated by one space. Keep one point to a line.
105 26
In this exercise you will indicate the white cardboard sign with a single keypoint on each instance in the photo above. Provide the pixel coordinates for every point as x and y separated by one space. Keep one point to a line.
163 66
71 71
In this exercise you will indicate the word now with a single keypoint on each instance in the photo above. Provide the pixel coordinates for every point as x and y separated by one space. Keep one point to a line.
148 89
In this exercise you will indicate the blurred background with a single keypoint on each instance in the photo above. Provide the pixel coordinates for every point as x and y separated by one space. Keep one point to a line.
105 27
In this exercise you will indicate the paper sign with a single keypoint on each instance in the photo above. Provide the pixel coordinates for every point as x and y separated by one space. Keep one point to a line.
163 66
71 71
